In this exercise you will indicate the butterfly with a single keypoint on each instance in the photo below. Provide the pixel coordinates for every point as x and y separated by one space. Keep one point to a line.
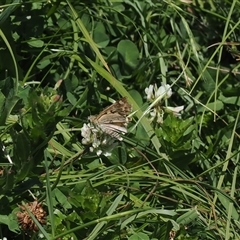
113 120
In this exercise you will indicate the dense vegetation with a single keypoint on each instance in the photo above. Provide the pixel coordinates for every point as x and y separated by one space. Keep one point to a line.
174 174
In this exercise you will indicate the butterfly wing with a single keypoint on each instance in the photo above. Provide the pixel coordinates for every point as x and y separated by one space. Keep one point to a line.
113 120
122 107
113 130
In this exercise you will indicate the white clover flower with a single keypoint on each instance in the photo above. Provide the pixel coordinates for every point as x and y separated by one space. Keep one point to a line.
154 92
104 142
96 139
164 90
96 143
91 149
160 117
107 154
86 133
156 114
175 110
85 141
149 92
153 113
162 93
99 152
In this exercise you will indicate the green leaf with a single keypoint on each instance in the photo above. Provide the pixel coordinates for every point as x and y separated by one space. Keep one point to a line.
214 106
35 43
6 110
62 199
188 217
99 36
139 236
128 53
11 221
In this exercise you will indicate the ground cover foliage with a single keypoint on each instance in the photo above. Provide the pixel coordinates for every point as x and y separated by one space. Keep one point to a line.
173 176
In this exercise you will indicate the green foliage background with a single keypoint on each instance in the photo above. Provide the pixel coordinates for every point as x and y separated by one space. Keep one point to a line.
61 61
